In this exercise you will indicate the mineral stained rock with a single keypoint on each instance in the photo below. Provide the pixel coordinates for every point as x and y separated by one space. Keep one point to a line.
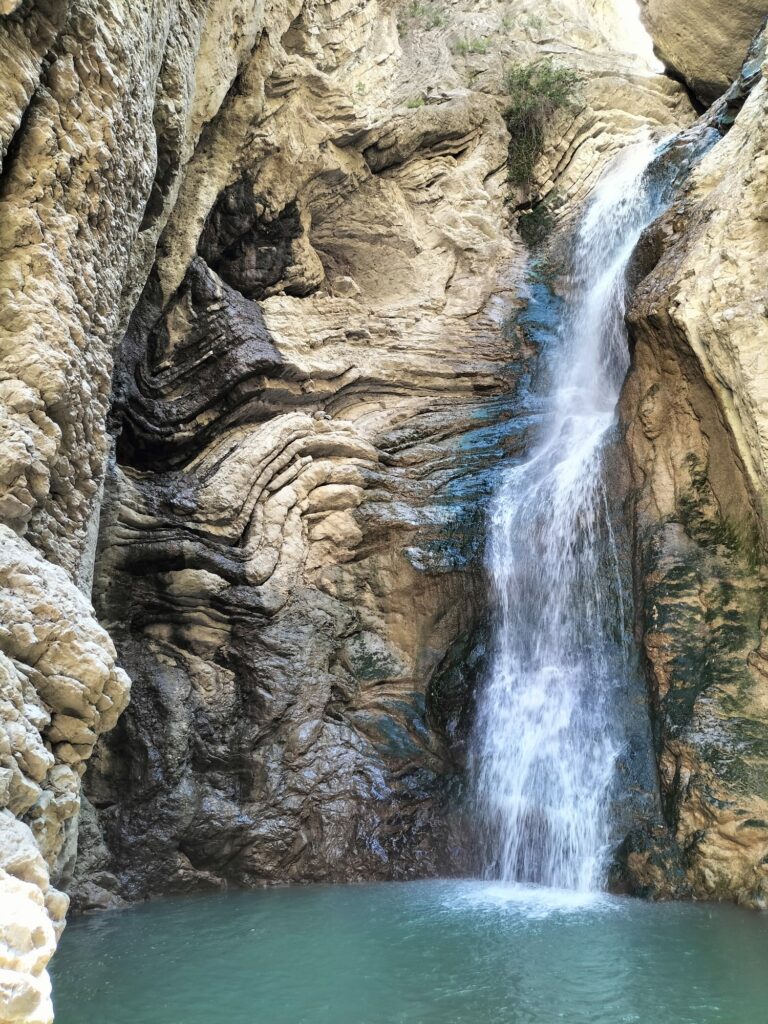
694 408
257 267
310 400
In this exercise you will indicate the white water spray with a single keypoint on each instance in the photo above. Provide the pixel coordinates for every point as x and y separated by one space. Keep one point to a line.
547 733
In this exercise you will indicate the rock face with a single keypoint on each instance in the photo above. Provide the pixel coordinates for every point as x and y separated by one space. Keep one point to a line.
703 41
695 413
310 400
257 267
288 222
59 689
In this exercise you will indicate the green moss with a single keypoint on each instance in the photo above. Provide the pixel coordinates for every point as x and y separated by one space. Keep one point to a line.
534 22
700 514
417 101
535 225
536 92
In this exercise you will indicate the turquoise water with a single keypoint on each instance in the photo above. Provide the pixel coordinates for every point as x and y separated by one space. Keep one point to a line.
413 953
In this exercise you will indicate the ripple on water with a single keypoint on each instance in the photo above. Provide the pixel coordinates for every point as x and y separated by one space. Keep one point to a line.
439 952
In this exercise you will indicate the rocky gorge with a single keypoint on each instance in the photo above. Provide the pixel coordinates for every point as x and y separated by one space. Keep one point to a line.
262 327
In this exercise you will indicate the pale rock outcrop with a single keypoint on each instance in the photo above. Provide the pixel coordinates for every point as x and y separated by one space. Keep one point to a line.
695 408
703 41
31 916
79 149
256 273
108 121
59 689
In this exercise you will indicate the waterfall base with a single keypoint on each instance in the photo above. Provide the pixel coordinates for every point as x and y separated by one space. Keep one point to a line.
415 953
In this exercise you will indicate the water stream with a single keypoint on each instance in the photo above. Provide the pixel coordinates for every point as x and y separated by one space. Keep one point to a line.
549 726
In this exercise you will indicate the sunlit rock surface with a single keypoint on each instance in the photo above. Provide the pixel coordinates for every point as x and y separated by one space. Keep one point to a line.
311 398
256 262
703 42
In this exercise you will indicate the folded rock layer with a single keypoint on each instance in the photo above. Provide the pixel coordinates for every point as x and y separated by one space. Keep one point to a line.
259 358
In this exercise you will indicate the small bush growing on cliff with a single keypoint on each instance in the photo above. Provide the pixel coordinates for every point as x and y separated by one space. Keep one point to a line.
465 47
535 225
536 91
426 16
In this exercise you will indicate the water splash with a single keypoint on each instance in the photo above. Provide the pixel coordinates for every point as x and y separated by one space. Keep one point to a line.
547 733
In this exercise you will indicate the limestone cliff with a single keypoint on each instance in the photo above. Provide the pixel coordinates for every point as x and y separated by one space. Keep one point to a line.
695 412
255 263
257 274
310 399
703 41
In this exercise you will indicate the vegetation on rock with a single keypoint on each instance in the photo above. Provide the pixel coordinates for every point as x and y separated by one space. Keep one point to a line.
423 15
535 225
468 46
536 91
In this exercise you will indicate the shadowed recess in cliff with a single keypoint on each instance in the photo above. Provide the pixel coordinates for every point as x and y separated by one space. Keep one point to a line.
191 369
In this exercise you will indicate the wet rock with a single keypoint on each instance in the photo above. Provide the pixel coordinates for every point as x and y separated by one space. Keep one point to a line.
693 408
251 379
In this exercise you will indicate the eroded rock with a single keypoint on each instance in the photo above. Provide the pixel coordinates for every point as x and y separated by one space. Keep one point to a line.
694 405
703 41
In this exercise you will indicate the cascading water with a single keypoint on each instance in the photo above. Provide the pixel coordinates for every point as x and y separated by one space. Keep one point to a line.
548 733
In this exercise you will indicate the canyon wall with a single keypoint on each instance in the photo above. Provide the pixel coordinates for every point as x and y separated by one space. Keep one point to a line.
703 42
311 399
259 276
694 410
257 266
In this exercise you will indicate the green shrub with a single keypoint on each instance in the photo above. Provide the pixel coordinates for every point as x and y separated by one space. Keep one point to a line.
417 101
426 15
536 92
464 47
534 22
534 225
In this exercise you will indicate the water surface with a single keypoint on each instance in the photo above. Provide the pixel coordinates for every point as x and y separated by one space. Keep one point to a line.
413 953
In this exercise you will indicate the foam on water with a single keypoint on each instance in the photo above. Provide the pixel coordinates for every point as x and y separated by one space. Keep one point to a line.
537 901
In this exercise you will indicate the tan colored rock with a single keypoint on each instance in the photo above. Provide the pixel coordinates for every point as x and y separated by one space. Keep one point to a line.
703 41
290 555
696 410
304 275
30 921
101 106
59 686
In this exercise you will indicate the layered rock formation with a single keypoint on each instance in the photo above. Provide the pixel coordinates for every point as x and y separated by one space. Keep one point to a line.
293 216
694 406
257 268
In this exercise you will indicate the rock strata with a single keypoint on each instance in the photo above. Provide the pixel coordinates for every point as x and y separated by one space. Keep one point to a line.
258 360
694 409
311 400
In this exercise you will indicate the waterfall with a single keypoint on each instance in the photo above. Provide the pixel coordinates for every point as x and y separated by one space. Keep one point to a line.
548 733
